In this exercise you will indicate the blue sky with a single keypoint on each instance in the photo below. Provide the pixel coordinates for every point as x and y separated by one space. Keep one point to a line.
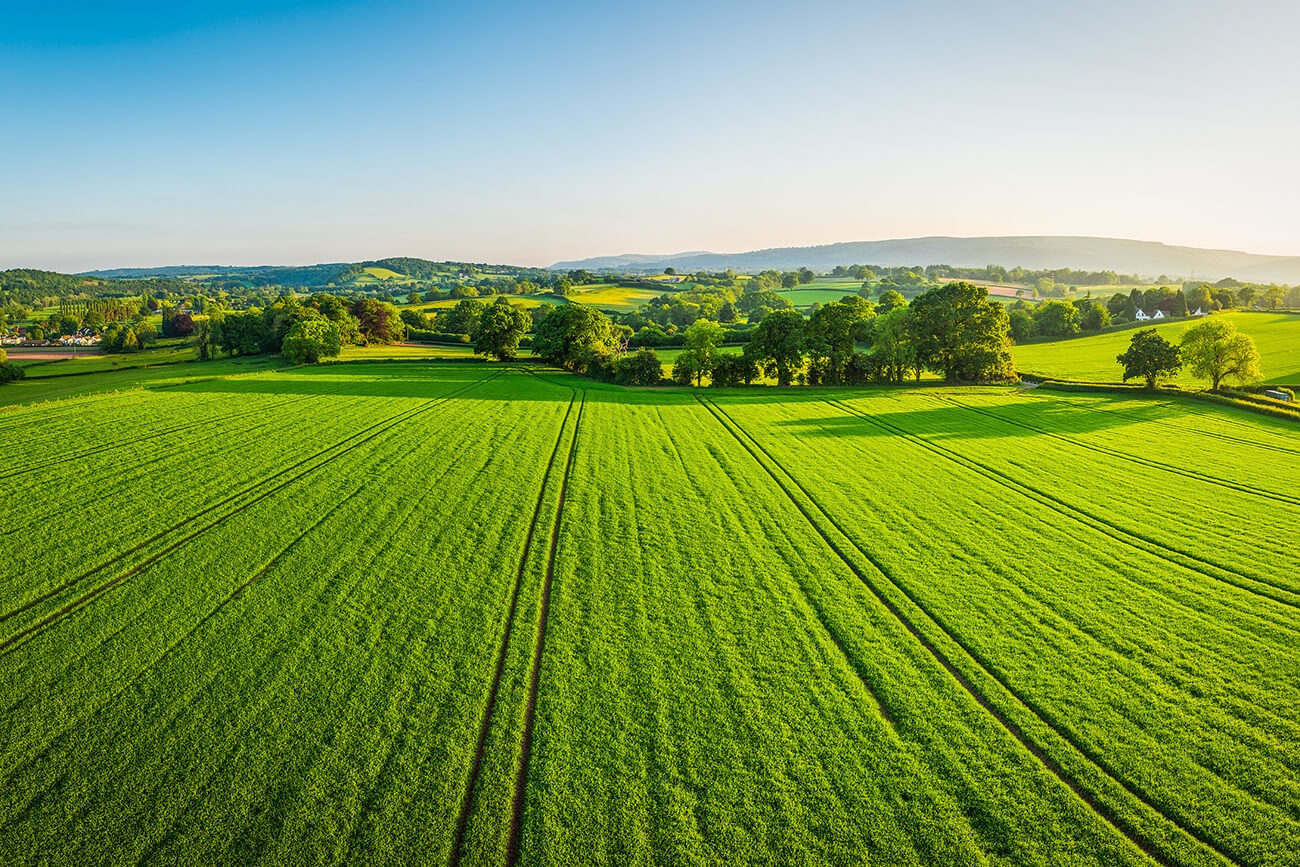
224 133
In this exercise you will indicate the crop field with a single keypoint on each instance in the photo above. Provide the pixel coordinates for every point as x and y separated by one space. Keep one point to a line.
1276 335
481 614
620 299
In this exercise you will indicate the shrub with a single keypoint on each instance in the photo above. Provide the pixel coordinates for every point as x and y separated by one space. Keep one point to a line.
10 372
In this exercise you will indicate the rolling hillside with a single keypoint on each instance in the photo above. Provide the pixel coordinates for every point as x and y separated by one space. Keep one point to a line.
1276 335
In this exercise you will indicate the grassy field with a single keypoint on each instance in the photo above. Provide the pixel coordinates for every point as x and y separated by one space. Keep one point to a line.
619 299
517 300
462 612
1276 335
42 385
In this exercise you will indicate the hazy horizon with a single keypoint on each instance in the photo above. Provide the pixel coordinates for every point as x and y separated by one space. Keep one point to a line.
282 133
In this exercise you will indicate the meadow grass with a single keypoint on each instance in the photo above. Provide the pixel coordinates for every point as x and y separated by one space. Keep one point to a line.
1092 358
462 612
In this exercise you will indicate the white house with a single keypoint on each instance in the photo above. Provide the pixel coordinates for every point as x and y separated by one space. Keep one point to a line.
1141 316
1159 314
1198 312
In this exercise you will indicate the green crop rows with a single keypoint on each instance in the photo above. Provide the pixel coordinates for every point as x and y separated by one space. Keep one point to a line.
467 614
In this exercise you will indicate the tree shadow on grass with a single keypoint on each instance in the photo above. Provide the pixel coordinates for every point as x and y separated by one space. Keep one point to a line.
910 409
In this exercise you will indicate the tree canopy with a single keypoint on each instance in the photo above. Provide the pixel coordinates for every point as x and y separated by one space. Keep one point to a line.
1151 357
960 333
500 328
1213 349
569 334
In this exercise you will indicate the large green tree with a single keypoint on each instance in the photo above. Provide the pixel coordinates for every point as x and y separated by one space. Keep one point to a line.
1151 357
702 340
1213 349
893 346
310 340
500 328
778 343
960 333
1057 318
569 334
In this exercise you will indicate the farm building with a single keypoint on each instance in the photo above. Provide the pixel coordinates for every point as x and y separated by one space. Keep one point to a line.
1141 316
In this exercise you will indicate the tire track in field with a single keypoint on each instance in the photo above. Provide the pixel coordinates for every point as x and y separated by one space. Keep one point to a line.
471 784
514 850
1187 560
1134 835
31 519
1147 462
1167 423
6 646
121 444
251 488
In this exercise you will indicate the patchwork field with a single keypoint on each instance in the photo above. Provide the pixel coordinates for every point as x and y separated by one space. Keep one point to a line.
472 614
1276 335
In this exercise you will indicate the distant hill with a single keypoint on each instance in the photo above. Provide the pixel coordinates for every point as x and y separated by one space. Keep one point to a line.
1148 258
397 270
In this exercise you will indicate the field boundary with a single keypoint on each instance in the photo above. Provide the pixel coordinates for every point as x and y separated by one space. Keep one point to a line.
485 725
514 850
1136 836
373 431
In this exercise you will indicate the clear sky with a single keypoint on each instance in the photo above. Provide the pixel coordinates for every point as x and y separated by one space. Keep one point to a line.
206 132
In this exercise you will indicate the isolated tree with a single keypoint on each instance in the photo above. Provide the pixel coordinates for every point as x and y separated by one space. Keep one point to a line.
806 276
1151 357
961 333
310 340
499 330
1273 296
778 343
569 333
1213 349
890 299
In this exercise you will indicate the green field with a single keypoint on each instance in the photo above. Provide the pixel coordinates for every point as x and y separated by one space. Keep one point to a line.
42 383
619 299
423 613
1276 335
821 291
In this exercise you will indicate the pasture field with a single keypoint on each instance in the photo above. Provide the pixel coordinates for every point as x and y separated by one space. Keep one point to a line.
620 299
820 292
481 614
1276 335
517 300
43 382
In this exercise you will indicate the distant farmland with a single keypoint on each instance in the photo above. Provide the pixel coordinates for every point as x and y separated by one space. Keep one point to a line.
1276 335
470 614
